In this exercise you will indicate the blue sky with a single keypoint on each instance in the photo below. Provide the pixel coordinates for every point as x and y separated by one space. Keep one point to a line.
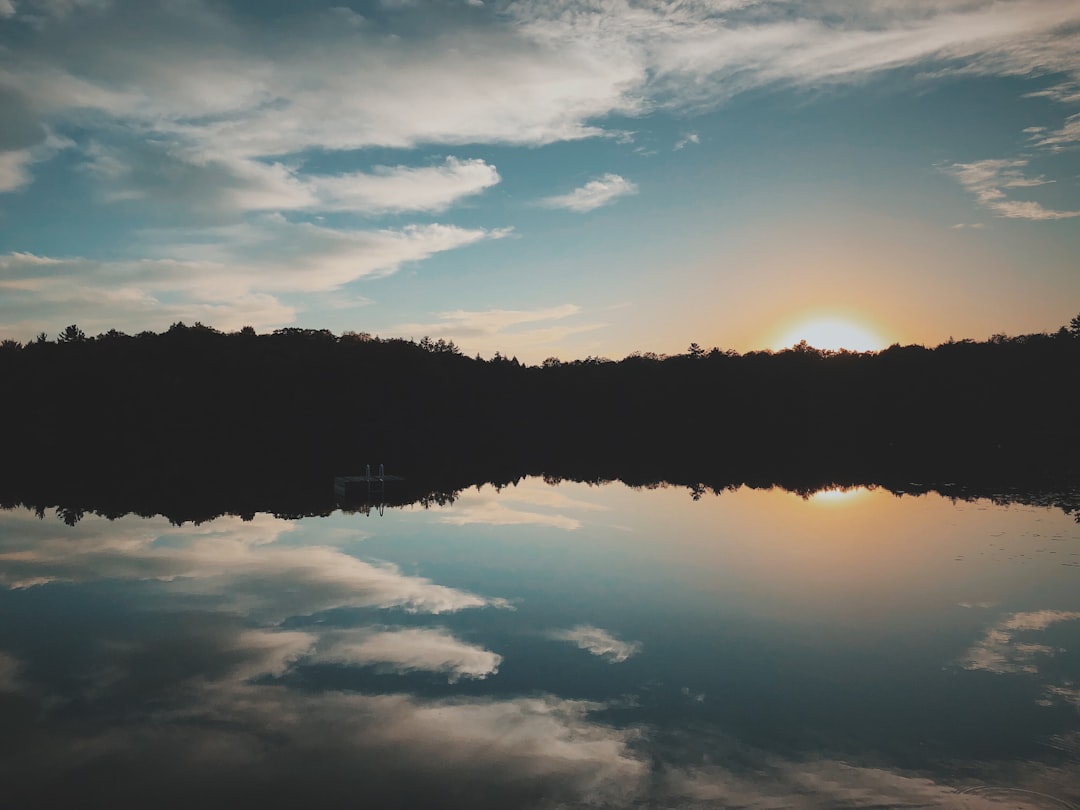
542 177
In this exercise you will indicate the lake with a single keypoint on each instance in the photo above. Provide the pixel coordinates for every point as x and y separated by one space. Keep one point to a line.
548 645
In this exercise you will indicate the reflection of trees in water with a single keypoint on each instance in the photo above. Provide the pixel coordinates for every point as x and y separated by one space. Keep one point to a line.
197 507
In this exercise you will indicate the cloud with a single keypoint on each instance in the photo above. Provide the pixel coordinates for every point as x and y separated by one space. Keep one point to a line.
1062 92
407 650
686 140
401 188
7 8
988 179
705 53
193 78
14 172
186 179
1058 139
601 191
463 323
229 277
501 329
598 642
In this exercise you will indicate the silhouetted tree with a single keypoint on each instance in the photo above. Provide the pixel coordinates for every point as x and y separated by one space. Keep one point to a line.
72 334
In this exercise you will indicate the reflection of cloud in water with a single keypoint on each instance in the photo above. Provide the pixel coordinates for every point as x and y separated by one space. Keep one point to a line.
9 673
427 649
497 507
768 782
279 747
1001 650
237 561
537 493
492 513
599 642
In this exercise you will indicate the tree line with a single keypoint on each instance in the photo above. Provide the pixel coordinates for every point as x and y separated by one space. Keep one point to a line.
183 406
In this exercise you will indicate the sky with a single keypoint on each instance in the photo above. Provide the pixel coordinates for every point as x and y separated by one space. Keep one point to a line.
543 177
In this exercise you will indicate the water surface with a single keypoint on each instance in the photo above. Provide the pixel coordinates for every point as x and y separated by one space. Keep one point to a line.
548 646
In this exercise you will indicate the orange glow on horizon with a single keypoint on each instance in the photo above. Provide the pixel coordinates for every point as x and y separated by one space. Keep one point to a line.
831 332
838 496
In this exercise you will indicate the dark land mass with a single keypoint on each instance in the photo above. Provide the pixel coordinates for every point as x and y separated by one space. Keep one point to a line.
193 422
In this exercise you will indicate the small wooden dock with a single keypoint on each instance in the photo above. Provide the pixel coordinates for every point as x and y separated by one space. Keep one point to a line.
369 483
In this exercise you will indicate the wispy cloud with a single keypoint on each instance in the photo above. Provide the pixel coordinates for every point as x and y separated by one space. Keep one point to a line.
598 642
14 169
989 179
1067 135
403 188
686 140
601 191
219 185
531 332
228 277
409 649
466 323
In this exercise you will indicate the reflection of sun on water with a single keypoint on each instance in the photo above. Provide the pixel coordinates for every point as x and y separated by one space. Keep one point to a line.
832 334
838 495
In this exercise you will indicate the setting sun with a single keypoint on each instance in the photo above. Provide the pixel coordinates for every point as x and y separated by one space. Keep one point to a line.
832 334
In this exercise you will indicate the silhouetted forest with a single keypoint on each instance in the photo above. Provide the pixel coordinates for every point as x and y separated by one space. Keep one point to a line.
276 415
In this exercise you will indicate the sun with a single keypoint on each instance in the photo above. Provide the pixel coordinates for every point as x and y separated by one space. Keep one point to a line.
833 334
838 495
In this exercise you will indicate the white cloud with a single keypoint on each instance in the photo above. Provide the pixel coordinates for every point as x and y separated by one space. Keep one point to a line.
229 184
463 323
228 277
542 71
686 140
406 650
598 642
7 8
601 191
13 169
402 188
1062 92
987 179
500 330
1066 136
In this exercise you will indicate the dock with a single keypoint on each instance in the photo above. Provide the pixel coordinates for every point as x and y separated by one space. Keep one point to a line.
369 483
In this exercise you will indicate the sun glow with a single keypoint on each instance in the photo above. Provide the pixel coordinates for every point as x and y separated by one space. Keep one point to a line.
832 334
838 495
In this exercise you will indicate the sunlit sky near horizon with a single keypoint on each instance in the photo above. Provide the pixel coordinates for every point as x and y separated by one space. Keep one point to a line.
543 177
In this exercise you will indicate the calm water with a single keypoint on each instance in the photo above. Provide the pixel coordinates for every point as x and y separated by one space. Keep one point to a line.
548 646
